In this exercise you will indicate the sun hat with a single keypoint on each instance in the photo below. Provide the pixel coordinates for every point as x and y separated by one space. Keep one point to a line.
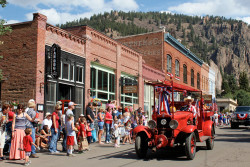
81 115
189 98
47 114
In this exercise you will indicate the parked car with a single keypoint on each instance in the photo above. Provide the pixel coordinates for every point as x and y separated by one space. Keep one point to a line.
241 116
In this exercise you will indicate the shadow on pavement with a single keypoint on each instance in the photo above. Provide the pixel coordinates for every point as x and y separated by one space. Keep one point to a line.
15 162
171 154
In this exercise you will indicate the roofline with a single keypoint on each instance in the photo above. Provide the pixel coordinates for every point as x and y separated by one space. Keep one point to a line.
177 45
17 24
139 34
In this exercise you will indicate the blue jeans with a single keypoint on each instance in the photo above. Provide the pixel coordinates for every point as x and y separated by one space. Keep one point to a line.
108 129
64 140
53 142
92 132
33 135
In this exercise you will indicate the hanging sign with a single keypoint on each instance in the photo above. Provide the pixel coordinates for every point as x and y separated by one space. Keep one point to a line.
55 60
130 89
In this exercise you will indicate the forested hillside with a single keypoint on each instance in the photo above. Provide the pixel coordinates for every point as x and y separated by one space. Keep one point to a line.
224 41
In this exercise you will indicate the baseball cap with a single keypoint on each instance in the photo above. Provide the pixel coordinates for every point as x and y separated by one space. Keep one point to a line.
81 115
72 104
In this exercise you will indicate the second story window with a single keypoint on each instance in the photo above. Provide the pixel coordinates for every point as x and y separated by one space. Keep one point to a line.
198 80
177 68
185 73
192 77
169 64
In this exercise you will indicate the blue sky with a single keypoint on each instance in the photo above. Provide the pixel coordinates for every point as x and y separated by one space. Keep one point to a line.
60 11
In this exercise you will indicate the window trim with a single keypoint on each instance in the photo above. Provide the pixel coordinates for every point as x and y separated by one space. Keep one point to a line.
177 69
198 80
169 63
79 66
185 80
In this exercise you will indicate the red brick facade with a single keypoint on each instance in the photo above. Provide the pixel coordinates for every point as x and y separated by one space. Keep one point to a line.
24 58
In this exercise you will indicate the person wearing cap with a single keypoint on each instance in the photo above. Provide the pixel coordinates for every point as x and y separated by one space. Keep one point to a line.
69 112
188 100
47 120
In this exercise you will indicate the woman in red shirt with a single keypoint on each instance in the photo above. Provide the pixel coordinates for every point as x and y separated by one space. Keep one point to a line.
108 122
54 130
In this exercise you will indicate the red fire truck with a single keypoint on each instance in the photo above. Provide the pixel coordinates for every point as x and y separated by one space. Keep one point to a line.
173 124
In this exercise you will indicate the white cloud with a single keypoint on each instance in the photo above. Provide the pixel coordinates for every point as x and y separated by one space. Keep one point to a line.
227 8
60 11
55 17
12 21
245 19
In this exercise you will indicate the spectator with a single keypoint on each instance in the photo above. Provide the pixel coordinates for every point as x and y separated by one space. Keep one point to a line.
89 134
47 120
100 118
70 128
54 130
108 123
32 113
3 121
18 127
10 116
71 107
45 135
83 143
90 116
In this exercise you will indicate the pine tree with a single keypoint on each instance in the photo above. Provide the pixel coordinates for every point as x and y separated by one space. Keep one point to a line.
243 81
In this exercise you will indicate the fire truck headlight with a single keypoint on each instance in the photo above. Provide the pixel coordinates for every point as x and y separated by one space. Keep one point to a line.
163 122
151 124
173 124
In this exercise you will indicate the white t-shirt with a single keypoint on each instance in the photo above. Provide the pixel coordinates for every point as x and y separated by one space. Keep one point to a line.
69 112
216 116
47 122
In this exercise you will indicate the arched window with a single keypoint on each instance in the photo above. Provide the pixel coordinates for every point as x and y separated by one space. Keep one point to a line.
169 64
184 73
198 80
177 68
192 77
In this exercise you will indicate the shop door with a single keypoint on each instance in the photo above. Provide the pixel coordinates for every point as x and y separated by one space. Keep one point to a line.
65 92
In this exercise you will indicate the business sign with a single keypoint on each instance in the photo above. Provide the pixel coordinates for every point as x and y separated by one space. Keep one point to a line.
207 98
130 89
55 60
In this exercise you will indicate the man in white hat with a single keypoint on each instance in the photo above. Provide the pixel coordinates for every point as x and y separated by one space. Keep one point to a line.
190 107
47 120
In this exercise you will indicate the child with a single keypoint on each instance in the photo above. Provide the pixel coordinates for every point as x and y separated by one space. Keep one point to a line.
116 135
70 135
82 142
27 142
127 133
89 134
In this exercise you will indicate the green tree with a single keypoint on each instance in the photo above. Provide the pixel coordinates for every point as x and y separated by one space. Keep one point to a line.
3 30
232 83
243 81
243 97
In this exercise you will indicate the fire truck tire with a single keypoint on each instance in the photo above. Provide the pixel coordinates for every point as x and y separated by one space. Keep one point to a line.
234 125
210 141
141 146
190 146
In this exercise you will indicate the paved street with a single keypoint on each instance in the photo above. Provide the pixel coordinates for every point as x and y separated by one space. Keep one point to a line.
232 148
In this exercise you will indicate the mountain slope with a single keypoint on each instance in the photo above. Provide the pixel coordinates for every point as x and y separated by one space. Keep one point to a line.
225 41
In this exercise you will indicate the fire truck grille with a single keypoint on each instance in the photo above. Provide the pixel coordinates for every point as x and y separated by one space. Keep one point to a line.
163 120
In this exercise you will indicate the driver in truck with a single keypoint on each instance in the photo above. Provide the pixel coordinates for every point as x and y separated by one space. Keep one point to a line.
191 107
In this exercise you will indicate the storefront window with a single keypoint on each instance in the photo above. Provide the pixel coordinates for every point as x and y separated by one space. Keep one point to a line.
128 99
51 92
65 71
79 74
102 82
72 72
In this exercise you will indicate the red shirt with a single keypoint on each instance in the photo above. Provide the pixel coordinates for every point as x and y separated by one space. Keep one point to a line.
27 140
88 132
108 116
57 119
10 115
82 130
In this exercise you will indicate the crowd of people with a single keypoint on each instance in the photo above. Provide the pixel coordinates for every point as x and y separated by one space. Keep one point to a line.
221 119
22 134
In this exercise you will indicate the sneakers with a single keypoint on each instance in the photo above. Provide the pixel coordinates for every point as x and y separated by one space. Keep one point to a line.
55 152
26 164
107 142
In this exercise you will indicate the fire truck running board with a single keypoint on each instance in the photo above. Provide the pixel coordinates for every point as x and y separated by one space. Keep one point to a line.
204 138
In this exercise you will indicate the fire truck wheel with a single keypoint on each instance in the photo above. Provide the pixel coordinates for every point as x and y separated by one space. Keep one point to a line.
141 146
234 125
190 146
210 141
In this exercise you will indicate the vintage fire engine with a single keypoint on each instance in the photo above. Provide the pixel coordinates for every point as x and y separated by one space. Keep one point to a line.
172 124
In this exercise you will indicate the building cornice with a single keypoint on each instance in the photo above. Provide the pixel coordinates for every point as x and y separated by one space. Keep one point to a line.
177 45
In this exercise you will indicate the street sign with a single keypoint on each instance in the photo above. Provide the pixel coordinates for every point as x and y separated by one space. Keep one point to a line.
130 89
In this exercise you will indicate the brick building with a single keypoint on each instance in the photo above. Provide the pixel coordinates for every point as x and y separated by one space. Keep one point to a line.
46 63
162 51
